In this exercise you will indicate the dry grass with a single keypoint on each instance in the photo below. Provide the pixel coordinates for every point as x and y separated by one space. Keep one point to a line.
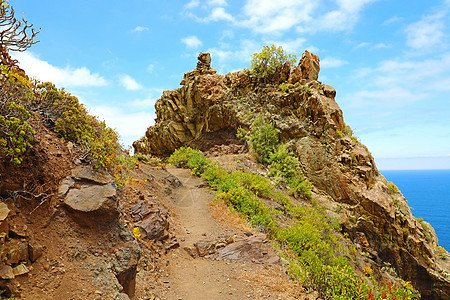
270 282
226 216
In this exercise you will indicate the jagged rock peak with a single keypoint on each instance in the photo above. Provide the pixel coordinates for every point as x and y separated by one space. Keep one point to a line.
203 68
204 61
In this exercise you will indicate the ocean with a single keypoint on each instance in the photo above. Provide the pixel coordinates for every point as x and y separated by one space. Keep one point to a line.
428 195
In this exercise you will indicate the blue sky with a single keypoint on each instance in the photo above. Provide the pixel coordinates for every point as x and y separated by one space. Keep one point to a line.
388 60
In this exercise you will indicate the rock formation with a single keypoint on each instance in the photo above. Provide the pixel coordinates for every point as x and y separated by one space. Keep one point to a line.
209 108
91 199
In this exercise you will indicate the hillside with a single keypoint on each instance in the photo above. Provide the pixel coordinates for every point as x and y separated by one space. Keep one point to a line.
213 112
280 188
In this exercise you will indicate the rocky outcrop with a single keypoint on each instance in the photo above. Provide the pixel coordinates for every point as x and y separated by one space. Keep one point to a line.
17 253
209 108
90 196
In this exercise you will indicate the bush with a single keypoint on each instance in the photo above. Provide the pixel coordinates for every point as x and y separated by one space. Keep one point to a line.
264 139
16 133
70 119
285 167
266 62
283 163
393 189
63 114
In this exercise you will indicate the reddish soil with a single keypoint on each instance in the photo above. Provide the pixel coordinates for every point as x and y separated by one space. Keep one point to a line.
76 260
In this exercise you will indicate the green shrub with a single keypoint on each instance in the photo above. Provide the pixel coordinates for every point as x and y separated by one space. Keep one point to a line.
299 187
283 163
266 62
190 158
393 189
257 184
285 87
264 138
16 133
73 122
285 167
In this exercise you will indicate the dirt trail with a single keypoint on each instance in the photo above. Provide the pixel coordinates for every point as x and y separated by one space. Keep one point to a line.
207 277
199 278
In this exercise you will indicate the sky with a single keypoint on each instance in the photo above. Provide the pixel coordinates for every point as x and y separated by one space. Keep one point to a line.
388 60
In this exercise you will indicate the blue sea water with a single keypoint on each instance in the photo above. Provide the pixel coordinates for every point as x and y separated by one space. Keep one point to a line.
428 194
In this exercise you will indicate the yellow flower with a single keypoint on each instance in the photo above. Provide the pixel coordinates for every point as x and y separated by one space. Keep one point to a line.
136 232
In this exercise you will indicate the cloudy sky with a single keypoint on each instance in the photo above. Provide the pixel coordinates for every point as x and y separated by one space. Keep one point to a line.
388 60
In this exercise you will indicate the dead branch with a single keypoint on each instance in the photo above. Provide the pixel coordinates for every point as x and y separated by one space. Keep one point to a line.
15 35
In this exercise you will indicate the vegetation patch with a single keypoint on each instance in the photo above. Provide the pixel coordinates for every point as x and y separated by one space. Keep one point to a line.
23 102
311 243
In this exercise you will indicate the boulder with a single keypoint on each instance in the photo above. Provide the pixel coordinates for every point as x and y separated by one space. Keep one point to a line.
285 71
295 75
34 252
254 248
125 264
6 272
204 61
205 248
4 211
87 173
309 64
93 200
151 221
329 91
20 270
90 196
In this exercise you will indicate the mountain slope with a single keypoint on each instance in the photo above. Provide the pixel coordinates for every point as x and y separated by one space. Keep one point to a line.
210 109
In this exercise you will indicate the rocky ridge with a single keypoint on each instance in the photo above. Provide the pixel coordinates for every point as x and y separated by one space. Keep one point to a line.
209 108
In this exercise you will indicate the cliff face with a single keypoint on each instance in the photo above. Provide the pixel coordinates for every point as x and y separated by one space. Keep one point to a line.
209 108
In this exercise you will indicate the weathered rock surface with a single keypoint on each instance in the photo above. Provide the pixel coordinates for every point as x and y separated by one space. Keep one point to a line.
255 249
91 199
152 222
209 108
91 196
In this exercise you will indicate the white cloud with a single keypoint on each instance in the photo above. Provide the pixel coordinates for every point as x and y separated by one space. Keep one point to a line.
192 41
68 76
392 20
268 16
129 83
144 103
427 33
277 16
382 97
291 46
219 14
331 62
381 46
192 4
376 46
362 45
344 17
217 2
131 126
140 29
241 53
150 68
